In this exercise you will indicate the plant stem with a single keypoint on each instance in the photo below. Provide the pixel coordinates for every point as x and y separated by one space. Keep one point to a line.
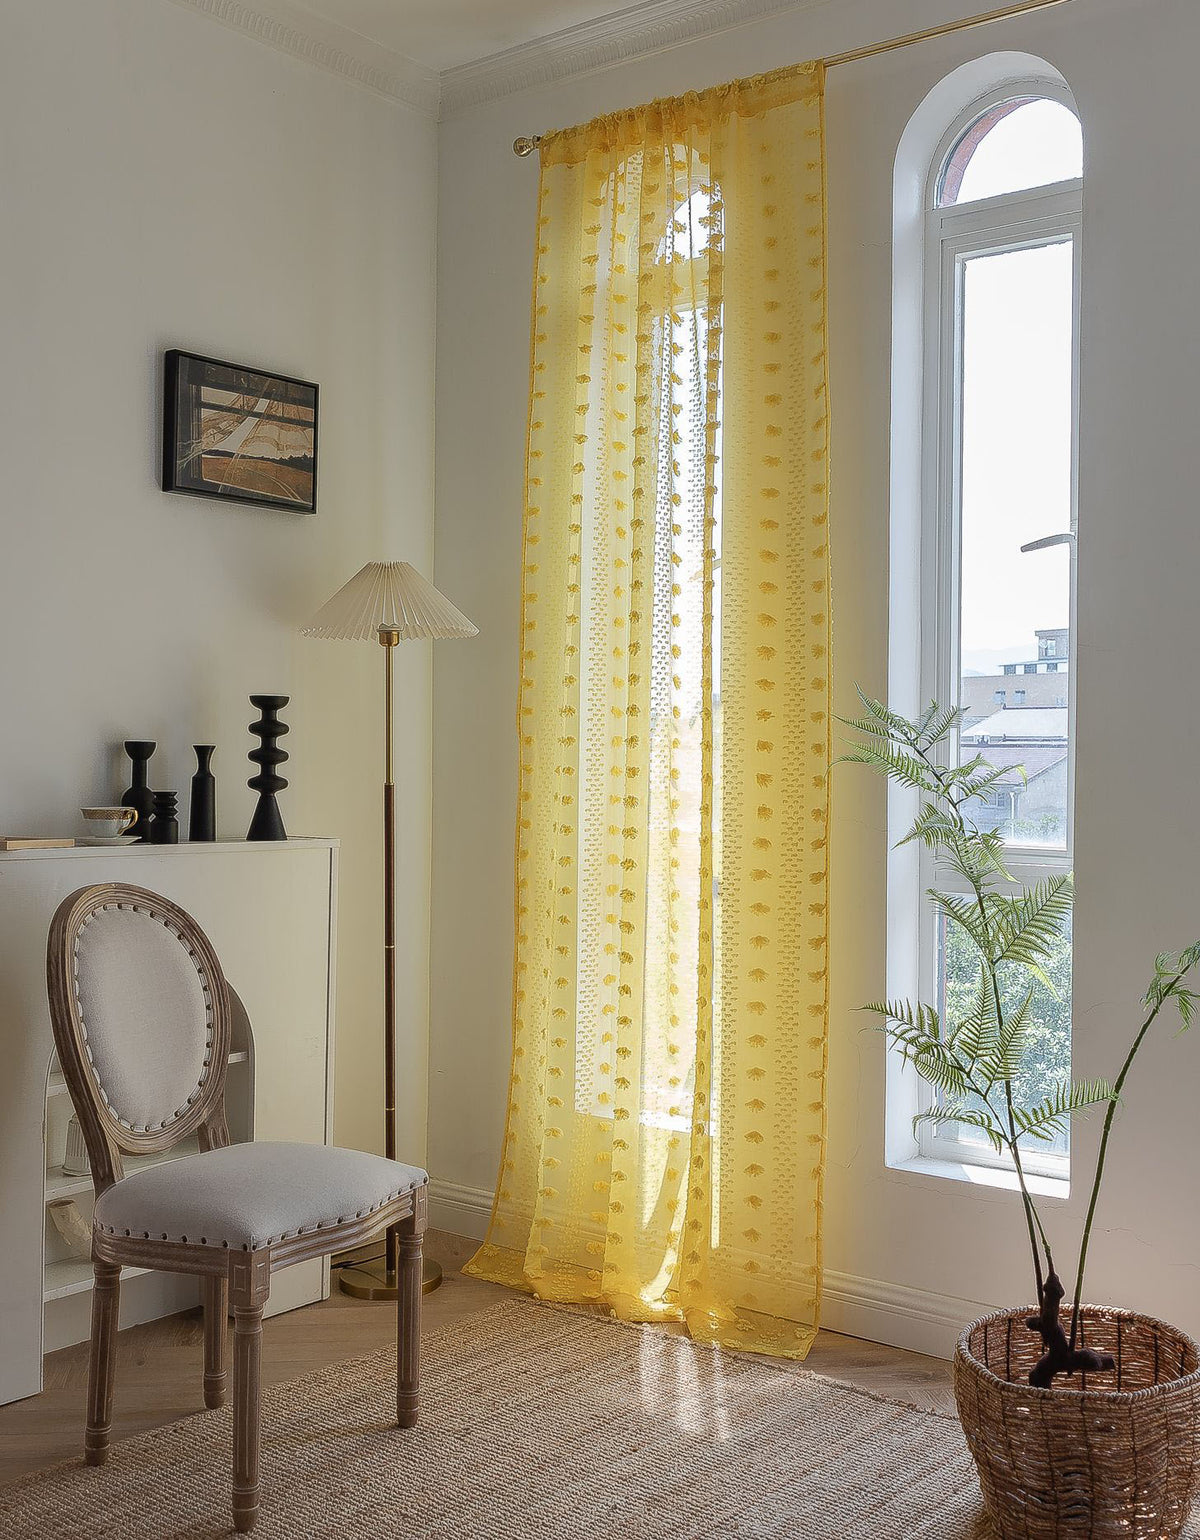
1031 1213
1103 1151
1032 1217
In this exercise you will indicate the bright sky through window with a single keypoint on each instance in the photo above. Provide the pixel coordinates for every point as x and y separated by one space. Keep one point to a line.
1016 450
1013 146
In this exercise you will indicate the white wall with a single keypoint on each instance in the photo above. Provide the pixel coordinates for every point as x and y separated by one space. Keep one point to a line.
169 182
906 1254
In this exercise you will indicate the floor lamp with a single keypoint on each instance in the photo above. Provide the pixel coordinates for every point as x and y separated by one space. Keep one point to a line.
387 602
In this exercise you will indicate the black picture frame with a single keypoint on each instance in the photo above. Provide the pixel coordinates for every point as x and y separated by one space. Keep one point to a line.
213 409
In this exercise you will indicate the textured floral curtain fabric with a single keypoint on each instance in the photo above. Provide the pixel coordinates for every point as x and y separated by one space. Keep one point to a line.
664 1147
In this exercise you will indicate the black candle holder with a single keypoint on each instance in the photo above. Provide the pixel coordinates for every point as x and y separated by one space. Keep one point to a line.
139 796
164 826
267 823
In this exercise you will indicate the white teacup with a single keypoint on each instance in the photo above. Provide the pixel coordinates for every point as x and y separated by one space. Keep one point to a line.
110 824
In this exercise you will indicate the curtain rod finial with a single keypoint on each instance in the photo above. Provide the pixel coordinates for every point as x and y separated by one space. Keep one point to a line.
526 144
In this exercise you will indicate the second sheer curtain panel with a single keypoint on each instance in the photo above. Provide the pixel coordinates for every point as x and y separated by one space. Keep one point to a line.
664 1146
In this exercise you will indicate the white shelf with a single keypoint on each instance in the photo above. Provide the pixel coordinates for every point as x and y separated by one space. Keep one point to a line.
75 1277
135 850
59 1185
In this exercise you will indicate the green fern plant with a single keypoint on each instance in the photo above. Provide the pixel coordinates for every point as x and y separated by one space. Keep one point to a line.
974 1062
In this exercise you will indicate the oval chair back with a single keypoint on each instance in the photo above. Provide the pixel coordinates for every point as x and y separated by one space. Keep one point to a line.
141 1017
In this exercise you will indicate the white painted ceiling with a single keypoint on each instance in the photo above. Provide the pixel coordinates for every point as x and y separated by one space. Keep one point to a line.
443 33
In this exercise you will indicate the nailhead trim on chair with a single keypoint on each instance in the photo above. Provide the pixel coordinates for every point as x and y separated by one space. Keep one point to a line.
273 1240
145 1128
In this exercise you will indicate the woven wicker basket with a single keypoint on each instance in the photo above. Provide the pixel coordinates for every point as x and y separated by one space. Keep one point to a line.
1119 1455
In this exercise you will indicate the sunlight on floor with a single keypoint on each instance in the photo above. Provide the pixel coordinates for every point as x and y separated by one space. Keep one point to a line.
685 1389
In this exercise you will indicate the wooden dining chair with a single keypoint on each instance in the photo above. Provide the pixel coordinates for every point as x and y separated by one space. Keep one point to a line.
141 1016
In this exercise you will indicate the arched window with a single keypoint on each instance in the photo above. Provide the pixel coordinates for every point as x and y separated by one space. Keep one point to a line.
997 518
1020 142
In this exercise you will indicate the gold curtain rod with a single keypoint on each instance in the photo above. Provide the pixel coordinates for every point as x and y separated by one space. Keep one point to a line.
528 143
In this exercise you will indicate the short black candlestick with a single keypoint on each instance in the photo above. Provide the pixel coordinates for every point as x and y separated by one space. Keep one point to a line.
267 823
164 826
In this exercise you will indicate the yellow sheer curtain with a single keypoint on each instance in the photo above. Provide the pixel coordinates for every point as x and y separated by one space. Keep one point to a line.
664 1146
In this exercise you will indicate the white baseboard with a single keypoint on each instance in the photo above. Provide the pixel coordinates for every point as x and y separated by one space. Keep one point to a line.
458 1209
916 1319
891 1313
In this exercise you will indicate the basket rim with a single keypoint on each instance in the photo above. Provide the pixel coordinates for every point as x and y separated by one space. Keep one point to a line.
1060 1395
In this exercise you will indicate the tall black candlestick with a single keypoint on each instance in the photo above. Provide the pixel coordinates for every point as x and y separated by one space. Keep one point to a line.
267 823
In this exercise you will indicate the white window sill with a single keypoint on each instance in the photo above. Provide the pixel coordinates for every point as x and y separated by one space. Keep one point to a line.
983 1176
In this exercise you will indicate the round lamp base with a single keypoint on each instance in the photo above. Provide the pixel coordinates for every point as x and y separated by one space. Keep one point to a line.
371 1280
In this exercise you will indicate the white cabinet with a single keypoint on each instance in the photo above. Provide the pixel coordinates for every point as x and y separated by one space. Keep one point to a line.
270 911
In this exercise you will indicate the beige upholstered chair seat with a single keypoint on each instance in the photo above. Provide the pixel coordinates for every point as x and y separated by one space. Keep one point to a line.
247 1196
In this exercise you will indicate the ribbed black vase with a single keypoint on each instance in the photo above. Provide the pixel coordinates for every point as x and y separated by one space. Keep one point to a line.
139 795
267 823
164 826
202 824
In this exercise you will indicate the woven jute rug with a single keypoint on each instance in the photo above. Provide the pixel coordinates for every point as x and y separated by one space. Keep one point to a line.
538 1424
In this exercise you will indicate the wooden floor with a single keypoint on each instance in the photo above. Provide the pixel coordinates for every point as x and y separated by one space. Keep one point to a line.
159 1364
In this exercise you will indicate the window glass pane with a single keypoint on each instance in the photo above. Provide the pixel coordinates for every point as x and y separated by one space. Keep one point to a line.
1016 340
1048 1052
1025 142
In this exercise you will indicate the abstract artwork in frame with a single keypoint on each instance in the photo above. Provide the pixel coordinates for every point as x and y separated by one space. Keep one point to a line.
238 433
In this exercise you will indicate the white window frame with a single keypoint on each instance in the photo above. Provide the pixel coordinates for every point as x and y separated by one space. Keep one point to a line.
1012 221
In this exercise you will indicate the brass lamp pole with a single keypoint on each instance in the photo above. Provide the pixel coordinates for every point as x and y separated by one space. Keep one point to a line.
388 602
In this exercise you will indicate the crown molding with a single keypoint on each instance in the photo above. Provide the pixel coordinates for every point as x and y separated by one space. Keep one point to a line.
293 30
595 45
631 33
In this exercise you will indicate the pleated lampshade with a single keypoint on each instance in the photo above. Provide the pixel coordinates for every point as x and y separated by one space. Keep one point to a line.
388 593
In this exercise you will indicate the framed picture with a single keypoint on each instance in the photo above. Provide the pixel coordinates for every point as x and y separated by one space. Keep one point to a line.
239 433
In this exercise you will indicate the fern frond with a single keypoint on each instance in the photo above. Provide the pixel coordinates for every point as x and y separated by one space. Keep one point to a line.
867 725
916 1032
964 912
1007 1059
990 844
934 829
965 1117
898 727
904 1014
912 1029
895 762
938 1066
976 855
1050 1116
1028 926
976 1035
1169 971
937 723
976 785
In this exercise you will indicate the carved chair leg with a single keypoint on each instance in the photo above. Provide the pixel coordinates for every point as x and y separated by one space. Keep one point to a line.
216 1314
408 1321
247 1390
106 1302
